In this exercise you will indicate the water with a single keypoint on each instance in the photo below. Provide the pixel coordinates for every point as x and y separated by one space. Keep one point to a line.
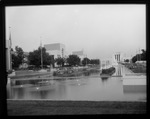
91 88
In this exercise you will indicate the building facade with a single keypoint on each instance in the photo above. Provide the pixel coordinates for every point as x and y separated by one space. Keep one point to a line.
117 57
105 63
80 54
56 49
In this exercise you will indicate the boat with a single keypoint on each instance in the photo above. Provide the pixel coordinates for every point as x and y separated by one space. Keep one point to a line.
106 73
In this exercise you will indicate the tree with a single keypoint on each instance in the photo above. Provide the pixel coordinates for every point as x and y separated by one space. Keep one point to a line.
126 60
85 61
60 61
73 60
35 57
95 61
17 58
143 55
139 56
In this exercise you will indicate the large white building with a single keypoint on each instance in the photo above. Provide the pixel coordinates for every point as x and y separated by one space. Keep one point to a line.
117 57
106 63
80 54
56 49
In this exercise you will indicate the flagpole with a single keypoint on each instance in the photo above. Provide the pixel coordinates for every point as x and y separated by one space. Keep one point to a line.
10 48
139 55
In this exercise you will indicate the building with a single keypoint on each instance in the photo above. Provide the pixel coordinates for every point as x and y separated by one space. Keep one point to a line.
117 57
105 63
8 56
56 49
80 54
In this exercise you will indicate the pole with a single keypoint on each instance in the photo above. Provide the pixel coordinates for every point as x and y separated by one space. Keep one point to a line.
86 60
10 48
41 57
139 55
136 55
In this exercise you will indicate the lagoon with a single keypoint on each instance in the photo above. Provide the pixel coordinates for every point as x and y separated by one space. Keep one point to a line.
91 88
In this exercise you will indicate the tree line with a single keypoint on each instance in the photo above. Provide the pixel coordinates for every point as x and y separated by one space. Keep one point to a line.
34 58
139 57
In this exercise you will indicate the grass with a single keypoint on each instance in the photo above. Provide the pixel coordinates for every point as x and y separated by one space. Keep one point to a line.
39 107
136 68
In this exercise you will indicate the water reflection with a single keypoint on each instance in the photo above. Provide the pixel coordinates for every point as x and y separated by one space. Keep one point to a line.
128 89
104 79
90 87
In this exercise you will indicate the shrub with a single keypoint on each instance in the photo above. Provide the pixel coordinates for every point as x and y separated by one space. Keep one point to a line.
9 71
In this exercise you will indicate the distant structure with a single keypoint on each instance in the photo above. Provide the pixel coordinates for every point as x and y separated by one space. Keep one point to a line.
56 49
106 63
80 54
8 55
117 57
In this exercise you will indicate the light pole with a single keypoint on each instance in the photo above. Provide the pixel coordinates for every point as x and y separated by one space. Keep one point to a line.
86 59
10 48
41 56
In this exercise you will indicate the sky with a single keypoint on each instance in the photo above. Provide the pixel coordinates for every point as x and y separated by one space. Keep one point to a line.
99 30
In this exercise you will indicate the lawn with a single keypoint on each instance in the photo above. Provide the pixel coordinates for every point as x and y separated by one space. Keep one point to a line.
136 68
47 107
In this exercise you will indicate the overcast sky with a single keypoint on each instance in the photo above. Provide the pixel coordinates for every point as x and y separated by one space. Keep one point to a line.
100 30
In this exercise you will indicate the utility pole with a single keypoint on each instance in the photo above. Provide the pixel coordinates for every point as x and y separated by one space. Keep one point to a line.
41 56
62 52
86 59
139 55
10 48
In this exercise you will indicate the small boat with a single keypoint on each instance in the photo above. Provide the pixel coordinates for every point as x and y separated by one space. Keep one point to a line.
106 73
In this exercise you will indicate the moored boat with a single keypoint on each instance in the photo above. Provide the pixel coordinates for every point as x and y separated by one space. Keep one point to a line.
106 73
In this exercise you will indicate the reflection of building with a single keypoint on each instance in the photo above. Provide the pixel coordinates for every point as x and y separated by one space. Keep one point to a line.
56 49
8 56
119 71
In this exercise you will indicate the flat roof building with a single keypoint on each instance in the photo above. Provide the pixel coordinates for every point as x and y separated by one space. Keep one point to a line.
80 54
56 49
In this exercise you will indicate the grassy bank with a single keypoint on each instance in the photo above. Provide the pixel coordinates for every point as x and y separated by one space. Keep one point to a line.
37 107
70 72
136 68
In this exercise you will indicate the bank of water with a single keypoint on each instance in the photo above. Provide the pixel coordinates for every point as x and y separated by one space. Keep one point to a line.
91 88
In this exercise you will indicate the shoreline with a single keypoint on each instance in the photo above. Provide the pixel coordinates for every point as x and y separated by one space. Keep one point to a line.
68 107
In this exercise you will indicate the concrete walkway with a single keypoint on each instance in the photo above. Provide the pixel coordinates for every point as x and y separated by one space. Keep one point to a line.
34 74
